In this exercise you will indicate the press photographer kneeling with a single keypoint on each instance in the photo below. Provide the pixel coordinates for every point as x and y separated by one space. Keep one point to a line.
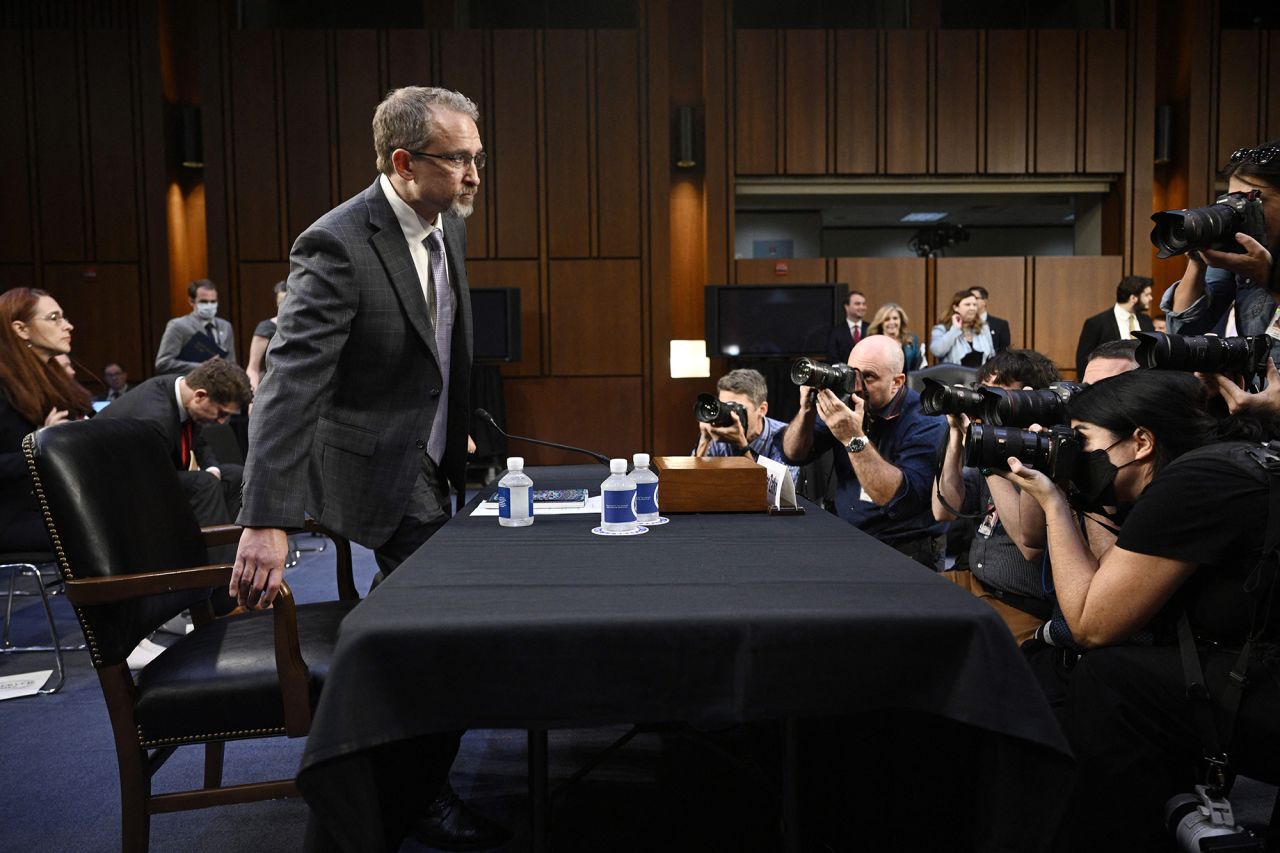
1198 510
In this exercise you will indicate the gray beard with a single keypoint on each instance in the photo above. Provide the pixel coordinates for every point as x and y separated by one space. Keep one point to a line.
461 209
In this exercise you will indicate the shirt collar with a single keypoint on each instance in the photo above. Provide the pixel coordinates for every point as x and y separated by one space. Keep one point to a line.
177 393
415 228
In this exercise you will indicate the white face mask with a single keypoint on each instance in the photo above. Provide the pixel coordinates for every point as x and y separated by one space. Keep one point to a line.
206 310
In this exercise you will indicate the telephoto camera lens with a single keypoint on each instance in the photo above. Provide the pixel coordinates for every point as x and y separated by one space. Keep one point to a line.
937 398
1053 453
1204 353
710 410
840 379
1024 408
1211 227
1187 817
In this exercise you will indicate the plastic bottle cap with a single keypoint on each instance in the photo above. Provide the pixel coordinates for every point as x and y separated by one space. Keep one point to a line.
515 463
640 460
617 466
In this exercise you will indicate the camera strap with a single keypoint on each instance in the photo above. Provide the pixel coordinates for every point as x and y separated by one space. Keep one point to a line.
1215 751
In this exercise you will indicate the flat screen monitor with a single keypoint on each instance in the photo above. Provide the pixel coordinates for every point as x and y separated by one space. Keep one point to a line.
747 320
495 323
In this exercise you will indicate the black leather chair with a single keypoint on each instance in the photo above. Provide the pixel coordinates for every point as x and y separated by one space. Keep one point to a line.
131 556
947 374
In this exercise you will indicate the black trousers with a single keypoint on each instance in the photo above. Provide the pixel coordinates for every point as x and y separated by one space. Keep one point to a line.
1131 727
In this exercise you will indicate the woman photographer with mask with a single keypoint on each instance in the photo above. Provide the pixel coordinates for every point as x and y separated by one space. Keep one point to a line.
1193 519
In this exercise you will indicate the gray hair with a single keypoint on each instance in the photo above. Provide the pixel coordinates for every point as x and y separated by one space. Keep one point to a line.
749 383
406 119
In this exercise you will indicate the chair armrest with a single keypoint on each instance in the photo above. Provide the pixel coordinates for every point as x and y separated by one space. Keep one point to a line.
291 669
221 534
91 591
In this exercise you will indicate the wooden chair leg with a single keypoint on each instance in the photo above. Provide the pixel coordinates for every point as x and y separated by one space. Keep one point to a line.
213 755
135 789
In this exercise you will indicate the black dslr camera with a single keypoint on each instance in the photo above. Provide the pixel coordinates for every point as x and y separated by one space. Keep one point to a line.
841 379
999 406
1205 353
1212 227
712 411
1203 822
1053 453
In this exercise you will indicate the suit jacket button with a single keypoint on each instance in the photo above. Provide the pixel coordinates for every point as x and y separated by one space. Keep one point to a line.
435 392
421 445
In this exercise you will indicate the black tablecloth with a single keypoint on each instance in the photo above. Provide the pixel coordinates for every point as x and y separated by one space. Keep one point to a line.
718 617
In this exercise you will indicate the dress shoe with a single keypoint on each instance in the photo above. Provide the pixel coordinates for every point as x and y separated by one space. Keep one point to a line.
450 825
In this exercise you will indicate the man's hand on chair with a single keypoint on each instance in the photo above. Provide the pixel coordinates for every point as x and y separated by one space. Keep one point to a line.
259 567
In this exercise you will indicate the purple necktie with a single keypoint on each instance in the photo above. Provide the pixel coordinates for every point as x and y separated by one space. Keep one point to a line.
441 310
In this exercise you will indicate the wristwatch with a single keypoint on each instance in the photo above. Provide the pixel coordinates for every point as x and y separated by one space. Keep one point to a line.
857 444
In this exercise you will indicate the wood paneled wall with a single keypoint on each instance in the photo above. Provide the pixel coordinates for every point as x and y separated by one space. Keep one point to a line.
915 102
1045 300
83 173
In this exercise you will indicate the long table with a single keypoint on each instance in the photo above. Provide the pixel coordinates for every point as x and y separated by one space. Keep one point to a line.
711 618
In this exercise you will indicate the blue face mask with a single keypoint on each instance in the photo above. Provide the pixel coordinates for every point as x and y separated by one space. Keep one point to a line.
206 310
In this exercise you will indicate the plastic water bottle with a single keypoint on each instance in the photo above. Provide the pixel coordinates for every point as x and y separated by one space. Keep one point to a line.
618 500
646 489
515 497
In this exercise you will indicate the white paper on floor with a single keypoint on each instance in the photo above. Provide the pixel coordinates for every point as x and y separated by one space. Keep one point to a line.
23 684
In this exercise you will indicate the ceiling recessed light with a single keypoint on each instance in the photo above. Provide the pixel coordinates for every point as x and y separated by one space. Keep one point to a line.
923 217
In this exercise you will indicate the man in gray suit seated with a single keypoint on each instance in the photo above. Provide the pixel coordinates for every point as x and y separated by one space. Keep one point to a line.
361 419
177 354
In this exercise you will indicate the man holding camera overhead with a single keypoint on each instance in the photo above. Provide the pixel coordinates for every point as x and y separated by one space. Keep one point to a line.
742 428
884 448
1230 289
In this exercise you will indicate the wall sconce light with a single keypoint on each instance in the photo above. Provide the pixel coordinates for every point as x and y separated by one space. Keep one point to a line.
190 138
689 360
685 144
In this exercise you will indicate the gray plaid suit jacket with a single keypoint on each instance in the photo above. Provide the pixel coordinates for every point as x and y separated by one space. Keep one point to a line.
341 419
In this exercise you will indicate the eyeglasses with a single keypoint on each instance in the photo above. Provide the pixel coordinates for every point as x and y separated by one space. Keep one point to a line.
56 317
1257 156
463 161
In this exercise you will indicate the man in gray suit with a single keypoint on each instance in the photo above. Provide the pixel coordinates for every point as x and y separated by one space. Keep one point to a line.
361 419
176 355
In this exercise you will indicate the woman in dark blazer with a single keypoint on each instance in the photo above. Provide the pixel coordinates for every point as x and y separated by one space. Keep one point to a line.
35 391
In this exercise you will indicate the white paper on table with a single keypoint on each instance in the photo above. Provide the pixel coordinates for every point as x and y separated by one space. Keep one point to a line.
488 510
23 684
780 488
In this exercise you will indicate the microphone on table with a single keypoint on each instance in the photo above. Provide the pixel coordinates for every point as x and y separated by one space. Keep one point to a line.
485 416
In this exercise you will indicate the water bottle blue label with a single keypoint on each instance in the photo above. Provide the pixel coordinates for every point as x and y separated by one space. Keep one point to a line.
619 506
508 508
646 498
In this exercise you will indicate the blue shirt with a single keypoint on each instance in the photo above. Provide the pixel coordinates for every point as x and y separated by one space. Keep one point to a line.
768 443
1254 306
909 442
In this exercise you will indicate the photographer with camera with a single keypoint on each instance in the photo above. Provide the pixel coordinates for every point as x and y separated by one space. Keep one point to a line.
736 423
1194 556
883 448
1230 282
1001 572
